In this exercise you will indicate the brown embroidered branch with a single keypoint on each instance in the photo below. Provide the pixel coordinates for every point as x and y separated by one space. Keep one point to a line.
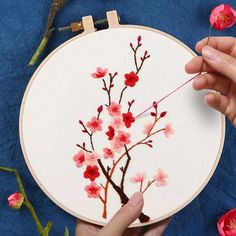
130 104
148 185
124 169
83 147
108 88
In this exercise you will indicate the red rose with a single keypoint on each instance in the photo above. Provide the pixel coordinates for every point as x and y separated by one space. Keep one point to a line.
128 119
91 173
222 17
227 224
131 79
110 133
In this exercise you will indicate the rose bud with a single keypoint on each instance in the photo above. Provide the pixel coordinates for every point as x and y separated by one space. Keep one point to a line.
15 200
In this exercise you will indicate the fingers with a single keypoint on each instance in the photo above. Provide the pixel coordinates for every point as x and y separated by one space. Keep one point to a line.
217 101
124 217
196 66
223 44
85 229
158 228
212 81
220 62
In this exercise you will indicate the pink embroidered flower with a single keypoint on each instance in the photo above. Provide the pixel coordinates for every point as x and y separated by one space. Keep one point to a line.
222 17
116 146
147 128
94 124
117 122
114 109
160 178
122 138
91 159
79 158
128 119
131 79
138 178
227 223
108 153
168 130
91 173
93 190
15 200
110 133
100 73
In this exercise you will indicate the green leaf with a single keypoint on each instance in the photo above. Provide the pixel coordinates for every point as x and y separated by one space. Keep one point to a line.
66 232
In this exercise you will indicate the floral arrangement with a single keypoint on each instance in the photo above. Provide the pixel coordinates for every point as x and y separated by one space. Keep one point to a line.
119 138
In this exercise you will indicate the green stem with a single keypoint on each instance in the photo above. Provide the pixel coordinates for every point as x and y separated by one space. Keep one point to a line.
39 51
42 231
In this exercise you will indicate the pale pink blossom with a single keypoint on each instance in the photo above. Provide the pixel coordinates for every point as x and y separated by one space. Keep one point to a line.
94 124
100 73
114 109
91 159
15 200
122 138
108 153
147 128
79 158
115 146
93 190
161 178
168 130
138 178
117 123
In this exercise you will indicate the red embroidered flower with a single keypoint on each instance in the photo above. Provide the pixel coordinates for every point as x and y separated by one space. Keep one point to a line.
108 153
94 124
131 79
227 224
93 190
91 173
222 17
100 73
79 158
110 133
114 109
128 119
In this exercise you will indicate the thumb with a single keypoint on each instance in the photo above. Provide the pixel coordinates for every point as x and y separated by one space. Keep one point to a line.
220 62
124 217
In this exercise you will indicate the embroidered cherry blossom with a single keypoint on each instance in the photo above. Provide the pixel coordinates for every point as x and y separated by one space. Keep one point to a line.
222 17
108 153
110 133
147 128
122 138
128 119
116 146
100 73
15 200
94 124
91 159
117 122
131 79
168 130
160 178
138 178
79 158
114 109
93 190
91 173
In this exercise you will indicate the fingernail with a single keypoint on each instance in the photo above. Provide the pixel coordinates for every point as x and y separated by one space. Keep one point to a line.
209 53
136 199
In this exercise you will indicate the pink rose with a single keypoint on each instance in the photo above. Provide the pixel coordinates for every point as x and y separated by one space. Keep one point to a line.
15 200
227 224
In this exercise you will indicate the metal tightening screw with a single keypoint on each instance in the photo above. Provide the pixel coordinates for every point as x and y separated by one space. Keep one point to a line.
77 26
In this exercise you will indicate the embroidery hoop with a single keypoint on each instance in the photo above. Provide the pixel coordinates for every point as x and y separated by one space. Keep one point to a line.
89 29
